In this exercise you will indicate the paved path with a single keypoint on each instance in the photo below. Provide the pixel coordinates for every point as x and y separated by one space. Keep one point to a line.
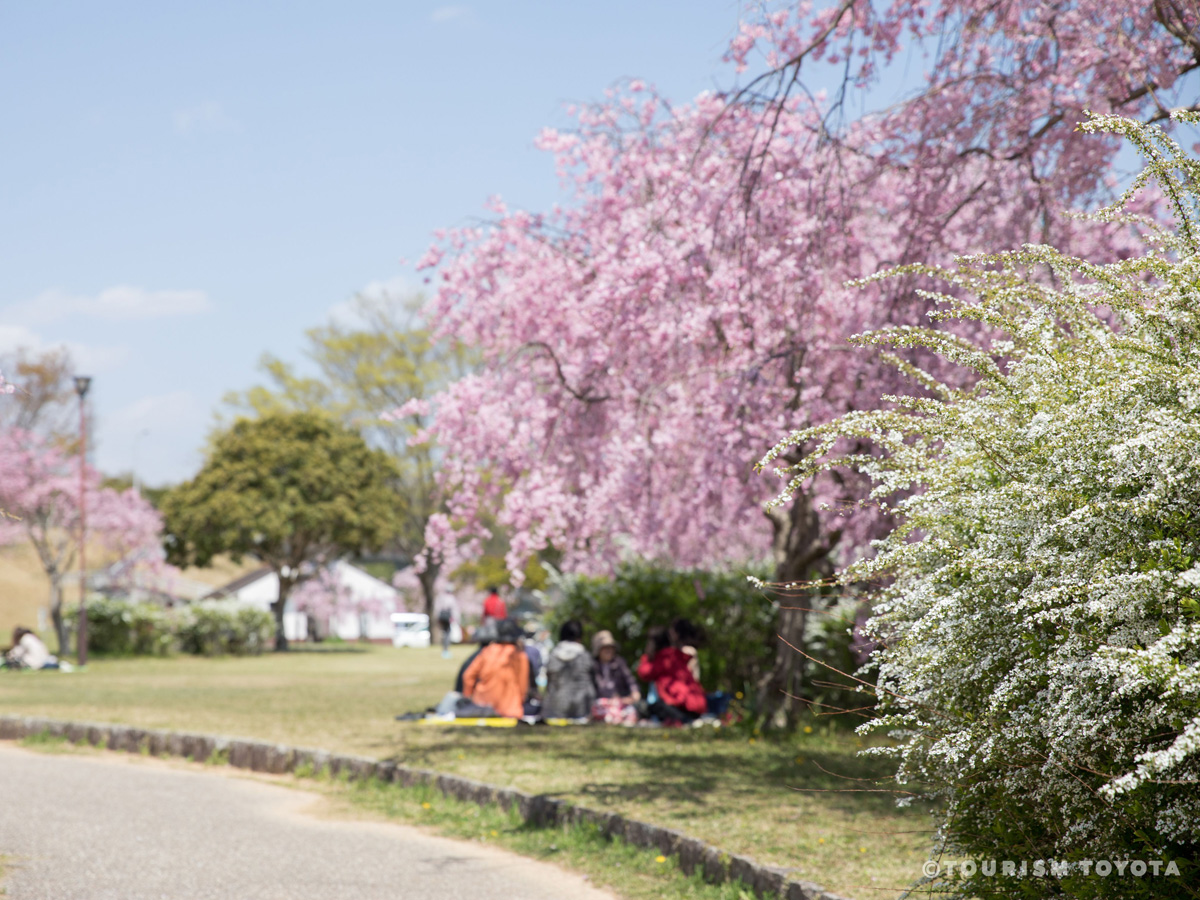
96 827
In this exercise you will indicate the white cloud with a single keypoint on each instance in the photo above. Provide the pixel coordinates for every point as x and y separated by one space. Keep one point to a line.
203 117
398 286
157 435
158 409
120 302
444 14
87 358
348 313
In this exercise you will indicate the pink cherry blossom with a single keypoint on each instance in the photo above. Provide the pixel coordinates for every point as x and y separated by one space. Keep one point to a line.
39 494
642 346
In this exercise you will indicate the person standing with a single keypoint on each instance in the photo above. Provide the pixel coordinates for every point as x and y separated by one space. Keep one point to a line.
445 608
494 606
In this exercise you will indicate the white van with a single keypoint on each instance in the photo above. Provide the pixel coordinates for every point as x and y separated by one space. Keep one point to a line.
410 630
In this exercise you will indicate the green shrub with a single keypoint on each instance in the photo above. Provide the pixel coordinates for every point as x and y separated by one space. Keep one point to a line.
214 629
738 618
125 628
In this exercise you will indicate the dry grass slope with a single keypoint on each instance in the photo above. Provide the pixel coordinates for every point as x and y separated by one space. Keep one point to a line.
25 590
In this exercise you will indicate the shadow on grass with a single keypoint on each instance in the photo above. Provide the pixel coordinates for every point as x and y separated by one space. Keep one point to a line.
685 769
318 648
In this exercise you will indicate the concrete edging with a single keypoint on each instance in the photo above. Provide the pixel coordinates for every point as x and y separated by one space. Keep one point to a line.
694 855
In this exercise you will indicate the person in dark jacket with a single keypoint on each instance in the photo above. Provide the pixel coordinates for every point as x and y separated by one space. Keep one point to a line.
570 690
680 697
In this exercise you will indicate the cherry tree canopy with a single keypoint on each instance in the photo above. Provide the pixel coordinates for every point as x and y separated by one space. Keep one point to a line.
643 345
39 495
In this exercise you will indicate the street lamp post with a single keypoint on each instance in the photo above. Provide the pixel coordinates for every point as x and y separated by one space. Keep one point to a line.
82 383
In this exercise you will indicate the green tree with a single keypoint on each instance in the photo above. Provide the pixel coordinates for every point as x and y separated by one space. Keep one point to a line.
292 489
383 360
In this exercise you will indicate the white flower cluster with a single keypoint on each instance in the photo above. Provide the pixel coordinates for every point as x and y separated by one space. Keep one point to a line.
1040 619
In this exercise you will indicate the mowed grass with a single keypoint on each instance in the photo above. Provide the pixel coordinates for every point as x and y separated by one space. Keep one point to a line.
808 802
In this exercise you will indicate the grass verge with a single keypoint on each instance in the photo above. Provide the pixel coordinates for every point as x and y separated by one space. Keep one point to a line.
628 871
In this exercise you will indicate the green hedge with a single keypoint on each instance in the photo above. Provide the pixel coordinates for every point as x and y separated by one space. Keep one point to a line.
739 621
219 629
124 628
120 628
738 618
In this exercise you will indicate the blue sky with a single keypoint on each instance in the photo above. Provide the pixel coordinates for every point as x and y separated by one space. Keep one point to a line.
186 186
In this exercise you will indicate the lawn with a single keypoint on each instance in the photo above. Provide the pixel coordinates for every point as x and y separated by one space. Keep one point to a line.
793 802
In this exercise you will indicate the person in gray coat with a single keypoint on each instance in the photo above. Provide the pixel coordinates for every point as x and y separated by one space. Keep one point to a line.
572 689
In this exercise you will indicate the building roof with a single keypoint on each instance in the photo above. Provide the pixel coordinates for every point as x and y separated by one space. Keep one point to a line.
238 583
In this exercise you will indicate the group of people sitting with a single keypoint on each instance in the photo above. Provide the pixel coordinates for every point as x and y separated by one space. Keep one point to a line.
511 675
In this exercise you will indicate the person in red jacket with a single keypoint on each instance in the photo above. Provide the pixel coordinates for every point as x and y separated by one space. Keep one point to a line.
494 606
680 697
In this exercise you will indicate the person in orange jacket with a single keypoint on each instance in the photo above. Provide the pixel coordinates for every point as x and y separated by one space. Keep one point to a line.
680 697
499 676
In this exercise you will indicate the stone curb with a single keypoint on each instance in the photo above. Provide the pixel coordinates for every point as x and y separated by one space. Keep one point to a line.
694 855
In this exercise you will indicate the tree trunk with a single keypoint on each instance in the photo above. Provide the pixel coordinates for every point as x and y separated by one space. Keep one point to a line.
428 580
801 552
56 614
285 588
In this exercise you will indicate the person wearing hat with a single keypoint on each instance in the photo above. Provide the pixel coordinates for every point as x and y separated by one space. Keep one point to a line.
616 690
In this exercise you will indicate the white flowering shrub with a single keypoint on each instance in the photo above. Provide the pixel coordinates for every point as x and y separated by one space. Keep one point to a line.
1038 605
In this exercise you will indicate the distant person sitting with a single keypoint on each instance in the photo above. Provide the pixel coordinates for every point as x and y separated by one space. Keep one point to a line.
680 697
616 690
688 637
498 679
486 634
571 690
494 606
28 652
533 700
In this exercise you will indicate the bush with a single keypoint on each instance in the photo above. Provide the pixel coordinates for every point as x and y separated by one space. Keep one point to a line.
738 618
124 628
1041 627
215 629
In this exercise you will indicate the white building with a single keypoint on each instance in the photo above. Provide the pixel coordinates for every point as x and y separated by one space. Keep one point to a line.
365 603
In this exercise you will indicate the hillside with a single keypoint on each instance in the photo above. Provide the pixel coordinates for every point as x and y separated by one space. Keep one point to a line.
25 591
